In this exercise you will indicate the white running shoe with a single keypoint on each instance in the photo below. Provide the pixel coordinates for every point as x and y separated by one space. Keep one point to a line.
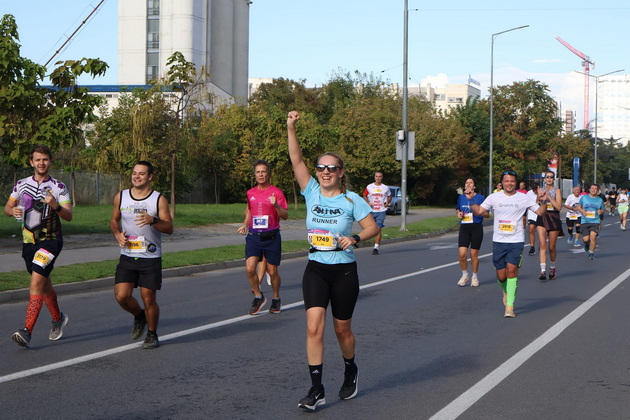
465 279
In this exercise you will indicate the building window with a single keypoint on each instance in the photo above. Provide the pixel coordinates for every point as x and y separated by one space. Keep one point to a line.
153 7
153 63
153 34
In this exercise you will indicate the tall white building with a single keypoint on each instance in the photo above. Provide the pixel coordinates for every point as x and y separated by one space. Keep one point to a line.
613 108
210 33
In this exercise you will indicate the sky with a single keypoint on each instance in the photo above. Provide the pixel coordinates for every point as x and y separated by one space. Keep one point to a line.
313 40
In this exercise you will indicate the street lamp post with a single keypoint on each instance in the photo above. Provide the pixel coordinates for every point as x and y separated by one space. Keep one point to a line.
596 113
492 99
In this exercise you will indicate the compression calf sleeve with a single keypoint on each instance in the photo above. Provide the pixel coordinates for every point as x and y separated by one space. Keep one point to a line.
35 303
511 290
53 306
503 285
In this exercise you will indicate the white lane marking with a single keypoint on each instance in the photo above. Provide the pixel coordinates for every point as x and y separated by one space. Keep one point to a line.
116 350
434 247
481 388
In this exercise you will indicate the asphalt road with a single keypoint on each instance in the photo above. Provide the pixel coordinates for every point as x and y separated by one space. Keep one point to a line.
425 347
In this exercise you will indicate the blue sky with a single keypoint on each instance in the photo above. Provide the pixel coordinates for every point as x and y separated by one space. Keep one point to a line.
313 40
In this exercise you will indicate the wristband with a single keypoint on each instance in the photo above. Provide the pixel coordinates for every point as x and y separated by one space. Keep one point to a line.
356 238
155 220
59 208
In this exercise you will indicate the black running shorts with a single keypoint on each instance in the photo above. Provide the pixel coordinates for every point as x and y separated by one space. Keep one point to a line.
334 283
142 272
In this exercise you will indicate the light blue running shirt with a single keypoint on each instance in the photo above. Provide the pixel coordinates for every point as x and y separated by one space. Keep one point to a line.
326 216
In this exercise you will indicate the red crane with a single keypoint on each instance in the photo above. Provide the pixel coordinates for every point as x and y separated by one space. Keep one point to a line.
587 64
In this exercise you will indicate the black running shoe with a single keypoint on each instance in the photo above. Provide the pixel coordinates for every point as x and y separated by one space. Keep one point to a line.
138 328
257 305
552 274
532 250
350 387
276 306
543 276
586 247
151 342
22 337
314 398
375 251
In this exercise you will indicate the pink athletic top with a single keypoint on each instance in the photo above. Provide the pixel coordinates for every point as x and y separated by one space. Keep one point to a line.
263 214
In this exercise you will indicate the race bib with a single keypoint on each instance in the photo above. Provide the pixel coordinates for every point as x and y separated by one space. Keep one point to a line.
322 240
573 217
507 227
590 214
260 222
43 258
136 244
467 218
550 207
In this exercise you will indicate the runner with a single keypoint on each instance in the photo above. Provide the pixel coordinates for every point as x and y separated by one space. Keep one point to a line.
531 221
470 233
591 207
549 225
622 207
39 202
331 273
508 207
612 200
378 197
573 216
601 195
266 205
139 217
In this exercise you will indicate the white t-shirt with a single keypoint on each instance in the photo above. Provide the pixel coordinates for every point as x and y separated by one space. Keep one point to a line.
508 215
572 202
530 214
377 196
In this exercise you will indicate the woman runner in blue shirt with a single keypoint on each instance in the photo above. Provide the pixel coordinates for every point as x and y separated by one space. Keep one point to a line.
331 273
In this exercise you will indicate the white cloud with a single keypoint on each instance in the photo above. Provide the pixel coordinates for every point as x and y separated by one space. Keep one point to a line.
441 80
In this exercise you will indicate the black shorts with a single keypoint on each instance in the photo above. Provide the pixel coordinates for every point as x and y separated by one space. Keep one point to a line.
41 257
142 272
571 223
334 283
470 234
261 245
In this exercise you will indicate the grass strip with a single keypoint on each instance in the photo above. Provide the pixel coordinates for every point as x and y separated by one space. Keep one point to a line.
93 270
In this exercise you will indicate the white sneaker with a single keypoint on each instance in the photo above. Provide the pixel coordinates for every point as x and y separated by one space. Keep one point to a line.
462 281
475 282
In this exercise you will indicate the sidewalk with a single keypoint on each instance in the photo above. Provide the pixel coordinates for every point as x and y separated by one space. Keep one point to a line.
101 247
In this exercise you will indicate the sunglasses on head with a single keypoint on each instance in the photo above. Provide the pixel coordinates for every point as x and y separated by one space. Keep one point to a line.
331 168
509 172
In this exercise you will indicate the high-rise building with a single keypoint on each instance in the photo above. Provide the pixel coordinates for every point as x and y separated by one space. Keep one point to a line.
213 34
613 108
569 122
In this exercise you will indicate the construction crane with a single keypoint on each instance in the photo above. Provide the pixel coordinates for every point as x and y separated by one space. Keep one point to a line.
73 33
587 64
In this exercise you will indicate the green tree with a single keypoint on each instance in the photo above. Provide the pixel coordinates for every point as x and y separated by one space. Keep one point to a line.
137 129
31 114
525 127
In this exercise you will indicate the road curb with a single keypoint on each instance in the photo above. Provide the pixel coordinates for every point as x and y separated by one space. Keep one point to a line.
19 295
